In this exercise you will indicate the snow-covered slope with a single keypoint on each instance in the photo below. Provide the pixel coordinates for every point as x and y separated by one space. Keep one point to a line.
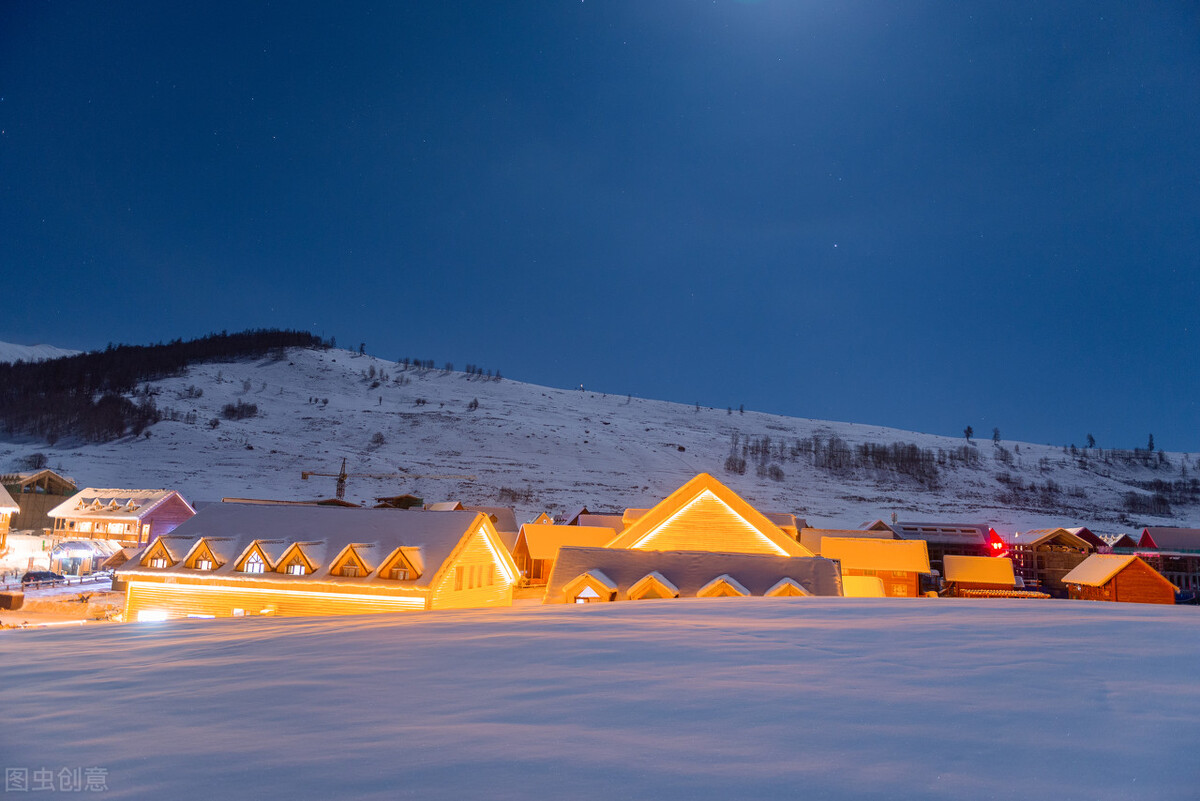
834 698
539 448
31 353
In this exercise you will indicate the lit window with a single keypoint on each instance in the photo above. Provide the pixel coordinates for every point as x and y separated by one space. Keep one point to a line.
254 564
899 589
85 526
399 573
350 570
204 564
296 569
158 561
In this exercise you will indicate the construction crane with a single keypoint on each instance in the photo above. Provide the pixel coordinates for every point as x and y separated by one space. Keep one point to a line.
342 475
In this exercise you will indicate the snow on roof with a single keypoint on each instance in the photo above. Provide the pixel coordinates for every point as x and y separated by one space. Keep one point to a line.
1086 534
865 553
615 522
863 587
444 506
572 518
504 518
323 532
544 540
979 569
1037 536
1098 569
690 571
811 538
7 504
1170 539
30 476
113 504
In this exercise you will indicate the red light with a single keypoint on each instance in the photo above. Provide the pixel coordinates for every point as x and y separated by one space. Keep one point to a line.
997 544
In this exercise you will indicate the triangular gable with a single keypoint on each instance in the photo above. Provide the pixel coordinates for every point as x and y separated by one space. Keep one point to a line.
723 586
158 550
787 588
705 515
595 580
542 519
572 518
248 556
201 551
350 556
652 585
482 524
398 560
295 555
445 506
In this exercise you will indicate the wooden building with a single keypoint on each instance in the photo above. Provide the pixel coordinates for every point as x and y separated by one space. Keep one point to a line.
538 543
1174 553
705 515
127 516
239 559
597 575
36 492
1041 557
1118 577
983 577
898 564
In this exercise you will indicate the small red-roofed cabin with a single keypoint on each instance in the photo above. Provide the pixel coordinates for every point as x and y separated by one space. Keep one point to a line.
1118 577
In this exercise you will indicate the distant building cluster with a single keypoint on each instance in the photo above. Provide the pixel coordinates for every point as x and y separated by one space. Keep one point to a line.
245 557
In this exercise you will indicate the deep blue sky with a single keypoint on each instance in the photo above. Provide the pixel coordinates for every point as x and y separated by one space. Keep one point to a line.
923 215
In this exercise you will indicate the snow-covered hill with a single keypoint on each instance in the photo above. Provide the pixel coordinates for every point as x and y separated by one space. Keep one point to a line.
31 353
549 449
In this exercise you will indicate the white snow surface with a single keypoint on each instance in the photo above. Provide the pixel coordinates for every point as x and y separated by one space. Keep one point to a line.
10 352
699 699
557 449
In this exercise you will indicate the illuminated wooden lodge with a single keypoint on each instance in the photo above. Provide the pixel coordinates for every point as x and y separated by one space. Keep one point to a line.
239 559
36 492
1118 577
538 543
130 517
705 515
879 567
983 577
598 575
1041 557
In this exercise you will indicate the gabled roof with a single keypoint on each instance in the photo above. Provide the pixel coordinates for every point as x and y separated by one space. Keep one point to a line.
542 518
1120 541
504 520
7 504
864 553
24 479
1086 534
1039 535
445 506
1170 539
689 571
1099 568
232 529
114 504
614 522
979 570
572 518
543 541
811 538
711 506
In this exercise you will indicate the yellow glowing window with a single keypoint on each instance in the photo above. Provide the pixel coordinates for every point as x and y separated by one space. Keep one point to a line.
399 573
899 589
254 564
158 561
204 564
85 526
296 569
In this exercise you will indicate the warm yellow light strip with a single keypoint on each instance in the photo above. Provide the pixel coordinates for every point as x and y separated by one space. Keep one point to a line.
702 496
417 602
504 560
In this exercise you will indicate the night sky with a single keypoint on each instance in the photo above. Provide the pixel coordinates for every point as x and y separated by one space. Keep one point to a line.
922 215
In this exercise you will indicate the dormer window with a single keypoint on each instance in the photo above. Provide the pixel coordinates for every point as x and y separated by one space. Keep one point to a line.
297 568
158 561
399 573
204 564
254 564
350 571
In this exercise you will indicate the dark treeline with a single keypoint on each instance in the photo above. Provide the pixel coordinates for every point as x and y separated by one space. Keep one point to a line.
85 395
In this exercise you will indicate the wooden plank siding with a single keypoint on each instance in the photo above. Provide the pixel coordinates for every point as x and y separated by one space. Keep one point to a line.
180 600
708 524
164 518
896 583
474 576
1135 583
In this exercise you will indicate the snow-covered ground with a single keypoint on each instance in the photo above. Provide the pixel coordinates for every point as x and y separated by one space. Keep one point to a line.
698 699
553 449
